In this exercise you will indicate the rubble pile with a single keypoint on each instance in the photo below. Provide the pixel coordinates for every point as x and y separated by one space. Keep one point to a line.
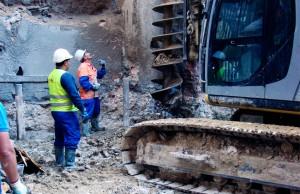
99 164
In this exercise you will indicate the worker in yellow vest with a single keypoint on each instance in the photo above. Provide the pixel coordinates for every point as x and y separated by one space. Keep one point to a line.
65 102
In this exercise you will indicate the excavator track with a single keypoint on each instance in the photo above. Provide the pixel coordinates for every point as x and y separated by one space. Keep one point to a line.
211 156
168 49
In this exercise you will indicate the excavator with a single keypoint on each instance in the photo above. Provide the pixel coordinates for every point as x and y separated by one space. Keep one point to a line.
245 55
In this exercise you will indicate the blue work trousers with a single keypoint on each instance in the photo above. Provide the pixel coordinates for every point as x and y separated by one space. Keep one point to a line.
92 107
67 129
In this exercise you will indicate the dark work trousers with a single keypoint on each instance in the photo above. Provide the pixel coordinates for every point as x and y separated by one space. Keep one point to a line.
67 129
92 107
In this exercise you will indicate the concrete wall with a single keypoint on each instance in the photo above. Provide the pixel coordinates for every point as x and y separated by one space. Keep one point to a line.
31 46
138 32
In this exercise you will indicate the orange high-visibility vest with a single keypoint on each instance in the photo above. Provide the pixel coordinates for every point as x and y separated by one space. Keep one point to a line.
87 69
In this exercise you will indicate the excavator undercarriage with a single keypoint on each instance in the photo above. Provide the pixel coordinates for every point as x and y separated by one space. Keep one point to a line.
203 155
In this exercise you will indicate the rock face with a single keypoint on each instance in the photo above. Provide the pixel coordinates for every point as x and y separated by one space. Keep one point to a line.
66 6
19 30
79 6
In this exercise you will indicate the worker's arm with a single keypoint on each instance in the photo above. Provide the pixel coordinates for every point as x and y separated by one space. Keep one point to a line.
68 83
85 83
8 156
7 152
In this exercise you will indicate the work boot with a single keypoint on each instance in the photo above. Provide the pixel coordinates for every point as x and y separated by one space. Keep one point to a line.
86 129
59 156
70 159
96 125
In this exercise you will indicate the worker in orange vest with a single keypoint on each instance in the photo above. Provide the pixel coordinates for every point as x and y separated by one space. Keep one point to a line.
88 77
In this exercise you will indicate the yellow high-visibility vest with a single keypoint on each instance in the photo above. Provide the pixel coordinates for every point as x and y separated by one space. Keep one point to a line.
59 98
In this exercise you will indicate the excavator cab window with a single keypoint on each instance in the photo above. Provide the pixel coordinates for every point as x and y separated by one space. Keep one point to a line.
248 40
280 39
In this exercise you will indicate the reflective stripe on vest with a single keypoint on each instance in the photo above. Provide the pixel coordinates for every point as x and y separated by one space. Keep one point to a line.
59 98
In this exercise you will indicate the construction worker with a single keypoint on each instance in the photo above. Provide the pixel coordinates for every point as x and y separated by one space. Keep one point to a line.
65 102
88 75
8 157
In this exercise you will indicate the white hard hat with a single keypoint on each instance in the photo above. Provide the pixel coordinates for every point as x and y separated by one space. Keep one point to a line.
79 54
61 55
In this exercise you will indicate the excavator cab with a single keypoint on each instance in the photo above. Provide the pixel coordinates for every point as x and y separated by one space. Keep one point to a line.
251 53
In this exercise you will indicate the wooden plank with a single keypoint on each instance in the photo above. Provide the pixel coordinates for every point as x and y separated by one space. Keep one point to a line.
20 112
126 118
28 161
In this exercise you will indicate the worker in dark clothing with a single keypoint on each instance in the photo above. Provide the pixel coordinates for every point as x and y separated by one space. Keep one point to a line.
8 157
65 102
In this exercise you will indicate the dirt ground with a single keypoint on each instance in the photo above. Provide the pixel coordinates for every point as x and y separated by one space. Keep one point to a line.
99 165
98 158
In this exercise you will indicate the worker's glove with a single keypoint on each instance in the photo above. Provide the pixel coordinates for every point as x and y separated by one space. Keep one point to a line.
101 71
96 87
84 116
20 188
102 62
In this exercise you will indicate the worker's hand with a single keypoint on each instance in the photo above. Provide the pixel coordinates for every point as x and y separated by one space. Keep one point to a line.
101 72
20 188
96 87
102 62
84 116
